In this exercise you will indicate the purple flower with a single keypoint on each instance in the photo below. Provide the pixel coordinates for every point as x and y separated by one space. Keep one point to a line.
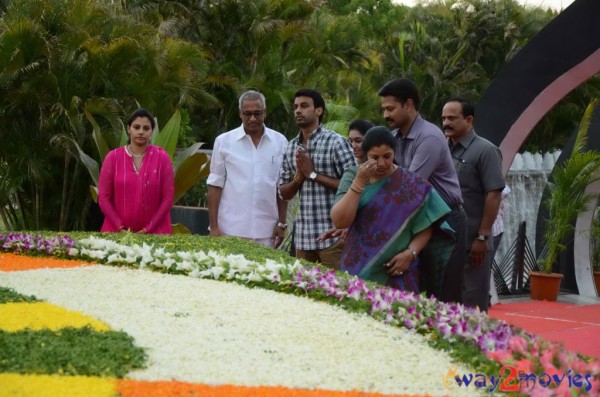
445 330
410 324
487 343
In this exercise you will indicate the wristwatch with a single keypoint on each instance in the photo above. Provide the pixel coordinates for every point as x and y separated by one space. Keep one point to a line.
483 237
313 176
282 225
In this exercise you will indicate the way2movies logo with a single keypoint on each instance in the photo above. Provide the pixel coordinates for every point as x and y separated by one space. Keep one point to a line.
513 379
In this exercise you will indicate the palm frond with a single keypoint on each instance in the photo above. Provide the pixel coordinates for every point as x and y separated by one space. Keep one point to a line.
567 192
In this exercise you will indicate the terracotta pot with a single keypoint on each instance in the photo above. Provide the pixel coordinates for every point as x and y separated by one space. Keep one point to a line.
544 286
597 281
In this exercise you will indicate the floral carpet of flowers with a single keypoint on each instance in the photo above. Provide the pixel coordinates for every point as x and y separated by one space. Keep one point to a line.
42 315
502 344
228 334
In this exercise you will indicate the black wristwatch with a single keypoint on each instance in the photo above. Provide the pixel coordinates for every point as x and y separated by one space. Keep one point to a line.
482 237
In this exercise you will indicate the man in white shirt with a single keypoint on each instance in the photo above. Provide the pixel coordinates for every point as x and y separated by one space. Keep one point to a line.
244 170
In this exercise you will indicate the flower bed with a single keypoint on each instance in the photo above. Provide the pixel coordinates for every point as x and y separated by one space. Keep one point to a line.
209 332
471 336
39 339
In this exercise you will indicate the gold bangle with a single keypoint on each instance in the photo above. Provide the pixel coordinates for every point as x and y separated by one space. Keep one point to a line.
295 180
355 191
358 186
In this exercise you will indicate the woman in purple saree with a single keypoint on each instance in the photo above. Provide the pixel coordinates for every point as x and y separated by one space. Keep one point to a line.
391 214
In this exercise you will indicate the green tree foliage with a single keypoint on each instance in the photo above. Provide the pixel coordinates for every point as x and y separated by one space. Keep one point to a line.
64 63
61 60
348 49
262 44
189 165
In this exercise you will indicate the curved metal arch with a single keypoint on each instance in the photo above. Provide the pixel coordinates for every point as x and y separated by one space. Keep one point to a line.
557 60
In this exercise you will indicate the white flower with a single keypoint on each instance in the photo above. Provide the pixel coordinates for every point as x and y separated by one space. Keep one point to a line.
273 266
200 256
254 276
240 263
205 273
168 262
146 253
157 263
184 265
96 254
216 271
114 258
274 277
186 256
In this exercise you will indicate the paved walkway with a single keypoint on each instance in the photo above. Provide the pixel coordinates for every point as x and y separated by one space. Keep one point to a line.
573 320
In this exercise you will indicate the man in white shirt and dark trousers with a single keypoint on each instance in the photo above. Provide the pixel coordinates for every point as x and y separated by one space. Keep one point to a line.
244 170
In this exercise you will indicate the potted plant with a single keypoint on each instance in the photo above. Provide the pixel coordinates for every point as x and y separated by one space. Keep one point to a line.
567 198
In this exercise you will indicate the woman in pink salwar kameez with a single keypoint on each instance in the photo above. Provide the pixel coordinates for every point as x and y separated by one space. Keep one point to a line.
136 185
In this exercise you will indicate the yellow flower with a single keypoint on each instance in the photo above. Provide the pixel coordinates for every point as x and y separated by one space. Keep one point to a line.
41 315
56 386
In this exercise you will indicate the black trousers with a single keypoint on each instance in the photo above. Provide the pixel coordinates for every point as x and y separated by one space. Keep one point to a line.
453 276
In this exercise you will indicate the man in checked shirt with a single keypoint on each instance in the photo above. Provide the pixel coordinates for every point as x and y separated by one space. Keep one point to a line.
313 164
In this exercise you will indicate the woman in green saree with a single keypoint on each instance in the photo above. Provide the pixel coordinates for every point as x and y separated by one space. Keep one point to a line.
391 214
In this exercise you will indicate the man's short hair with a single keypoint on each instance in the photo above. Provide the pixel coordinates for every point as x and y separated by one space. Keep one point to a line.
316 97
402 90
252 95
466 107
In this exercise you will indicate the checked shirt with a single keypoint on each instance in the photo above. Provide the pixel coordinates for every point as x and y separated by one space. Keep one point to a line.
331 155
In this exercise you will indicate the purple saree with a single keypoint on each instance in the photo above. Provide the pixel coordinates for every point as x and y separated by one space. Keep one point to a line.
390 212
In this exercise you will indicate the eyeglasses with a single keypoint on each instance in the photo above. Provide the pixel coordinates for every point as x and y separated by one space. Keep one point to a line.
258 114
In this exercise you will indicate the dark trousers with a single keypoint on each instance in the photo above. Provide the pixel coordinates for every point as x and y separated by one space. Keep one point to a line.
476 283
329 256
453 276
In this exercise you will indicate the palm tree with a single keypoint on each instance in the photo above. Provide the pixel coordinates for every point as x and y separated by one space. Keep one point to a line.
63 61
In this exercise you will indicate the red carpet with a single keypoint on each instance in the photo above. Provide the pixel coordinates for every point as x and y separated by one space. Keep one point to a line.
577 327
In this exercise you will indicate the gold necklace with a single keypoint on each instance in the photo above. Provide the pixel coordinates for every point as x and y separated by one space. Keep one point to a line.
132 154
